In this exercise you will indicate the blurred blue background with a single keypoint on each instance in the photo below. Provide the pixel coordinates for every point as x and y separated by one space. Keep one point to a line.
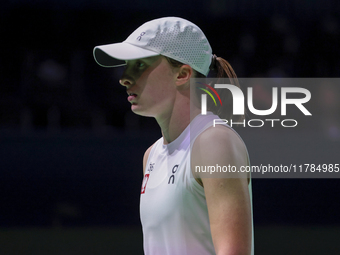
71 151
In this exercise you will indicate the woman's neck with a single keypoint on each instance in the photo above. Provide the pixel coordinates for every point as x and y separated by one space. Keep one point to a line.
177 119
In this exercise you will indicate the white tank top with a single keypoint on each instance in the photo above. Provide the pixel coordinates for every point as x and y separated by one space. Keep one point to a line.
173 207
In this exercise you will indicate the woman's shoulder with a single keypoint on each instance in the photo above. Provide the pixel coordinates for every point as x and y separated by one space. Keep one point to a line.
220 134
219 144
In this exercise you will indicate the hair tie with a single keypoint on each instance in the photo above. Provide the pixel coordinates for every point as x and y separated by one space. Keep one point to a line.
213 62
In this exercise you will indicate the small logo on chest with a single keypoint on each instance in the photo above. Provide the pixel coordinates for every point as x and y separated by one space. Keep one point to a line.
172 177
151 167
146 177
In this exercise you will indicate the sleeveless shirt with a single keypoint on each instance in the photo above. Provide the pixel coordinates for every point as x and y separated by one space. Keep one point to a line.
173 207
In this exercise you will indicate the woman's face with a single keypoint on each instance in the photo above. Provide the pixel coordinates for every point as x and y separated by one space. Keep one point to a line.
151 86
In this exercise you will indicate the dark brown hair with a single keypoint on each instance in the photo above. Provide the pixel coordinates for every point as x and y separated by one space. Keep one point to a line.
222 70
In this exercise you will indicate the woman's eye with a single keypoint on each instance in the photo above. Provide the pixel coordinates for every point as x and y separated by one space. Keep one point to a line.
140 64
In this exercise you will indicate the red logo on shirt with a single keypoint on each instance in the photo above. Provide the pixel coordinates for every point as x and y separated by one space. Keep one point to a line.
145 181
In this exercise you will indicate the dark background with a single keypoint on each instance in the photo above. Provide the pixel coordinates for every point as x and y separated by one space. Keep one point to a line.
71 151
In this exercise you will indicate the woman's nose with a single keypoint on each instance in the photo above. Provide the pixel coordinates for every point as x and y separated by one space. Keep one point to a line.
126 81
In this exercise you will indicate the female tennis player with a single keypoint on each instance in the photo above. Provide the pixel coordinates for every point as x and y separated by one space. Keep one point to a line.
184 211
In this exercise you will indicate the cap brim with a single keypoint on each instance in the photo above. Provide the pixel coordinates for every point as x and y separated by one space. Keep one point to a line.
112 55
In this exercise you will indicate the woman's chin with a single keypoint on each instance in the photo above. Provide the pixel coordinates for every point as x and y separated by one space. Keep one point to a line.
137 109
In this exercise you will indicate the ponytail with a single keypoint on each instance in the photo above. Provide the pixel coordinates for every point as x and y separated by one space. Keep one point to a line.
225 74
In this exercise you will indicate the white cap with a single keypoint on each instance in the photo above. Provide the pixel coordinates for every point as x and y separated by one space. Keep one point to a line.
172 37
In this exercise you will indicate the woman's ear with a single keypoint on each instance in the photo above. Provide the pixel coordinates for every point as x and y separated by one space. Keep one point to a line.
185 72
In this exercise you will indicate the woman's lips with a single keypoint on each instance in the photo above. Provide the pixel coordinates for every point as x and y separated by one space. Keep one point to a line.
131 97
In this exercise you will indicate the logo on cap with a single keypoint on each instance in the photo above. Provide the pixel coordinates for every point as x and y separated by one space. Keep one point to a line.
140 36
